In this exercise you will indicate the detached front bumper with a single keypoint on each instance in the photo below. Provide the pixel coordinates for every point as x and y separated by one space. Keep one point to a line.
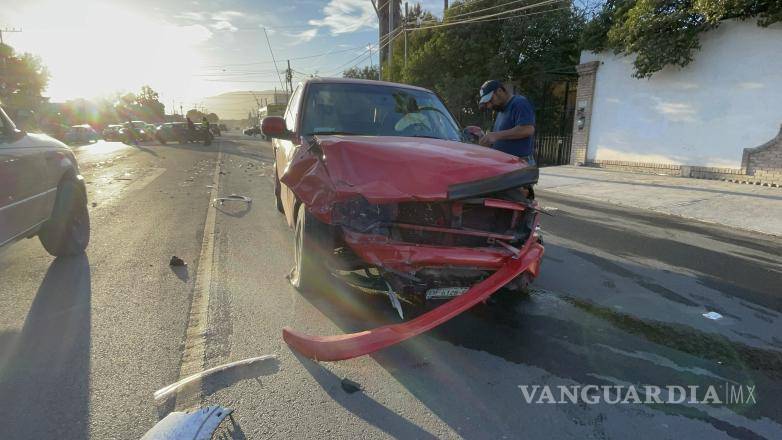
341 347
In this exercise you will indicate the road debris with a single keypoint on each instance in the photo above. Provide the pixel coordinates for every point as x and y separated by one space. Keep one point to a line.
191 425
349 386
712 315
176 261
232 198
164 392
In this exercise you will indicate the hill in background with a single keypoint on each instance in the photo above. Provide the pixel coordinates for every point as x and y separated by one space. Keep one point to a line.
236 105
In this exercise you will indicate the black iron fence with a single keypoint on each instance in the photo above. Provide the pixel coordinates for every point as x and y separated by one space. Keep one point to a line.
553 149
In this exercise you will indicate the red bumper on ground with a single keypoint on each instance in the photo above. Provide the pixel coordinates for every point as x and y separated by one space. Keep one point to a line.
341 347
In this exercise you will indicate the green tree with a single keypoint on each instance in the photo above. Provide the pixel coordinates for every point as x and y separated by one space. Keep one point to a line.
213 118
149 105
529 52
666 32
23 78
194 115
366 72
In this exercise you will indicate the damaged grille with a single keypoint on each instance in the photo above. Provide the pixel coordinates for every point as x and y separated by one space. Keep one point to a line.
464 223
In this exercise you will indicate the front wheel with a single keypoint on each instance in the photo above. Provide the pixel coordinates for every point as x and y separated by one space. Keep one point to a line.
67 232
309 252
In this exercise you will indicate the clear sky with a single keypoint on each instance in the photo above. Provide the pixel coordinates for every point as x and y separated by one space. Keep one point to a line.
189 49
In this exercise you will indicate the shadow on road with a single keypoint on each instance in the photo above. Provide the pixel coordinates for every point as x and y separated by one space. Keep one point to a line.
45 369
364 406
605 320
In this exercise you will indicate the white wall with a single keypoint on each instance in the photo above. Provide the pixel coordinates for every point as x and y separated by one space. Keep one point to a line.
728 98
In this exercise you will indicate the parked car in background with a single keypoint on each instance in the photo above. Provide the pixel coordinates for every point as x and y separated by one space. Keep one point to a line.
81 134
253 131
112 132
178 132
137 130
42 192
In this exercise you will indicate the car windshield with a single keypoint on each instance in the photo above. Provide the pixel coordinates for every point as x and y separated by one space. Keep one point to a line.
375 110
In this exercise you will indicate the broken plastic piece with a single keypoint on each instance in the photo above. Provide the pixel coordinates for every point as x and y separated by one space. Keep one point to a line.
394 300
162 393
232 198
197 425
176 261
349 386
712 316
341 347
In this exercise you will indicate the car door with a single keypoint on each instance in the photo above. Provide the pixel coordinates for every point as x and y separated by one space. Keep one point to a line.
284 150
24 190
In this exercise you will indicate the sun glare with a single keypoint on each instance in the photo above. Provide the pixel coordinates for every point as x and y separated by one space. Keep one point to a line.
95 49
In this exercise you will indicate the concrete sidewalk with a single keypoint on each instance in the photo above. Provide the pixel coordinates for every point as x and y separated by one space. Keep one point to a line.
748 207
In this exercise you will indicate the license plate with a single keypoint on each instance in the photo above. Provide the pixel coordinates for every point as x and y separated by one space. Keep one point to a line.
445 292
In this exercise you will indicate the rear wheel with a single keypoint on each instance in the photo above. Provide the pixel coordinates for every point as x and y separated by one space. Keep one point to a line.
309 252
67 232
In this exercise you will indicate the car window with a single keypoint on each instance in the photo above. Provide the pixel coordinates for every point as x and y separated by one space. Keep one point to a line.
376 110
293 109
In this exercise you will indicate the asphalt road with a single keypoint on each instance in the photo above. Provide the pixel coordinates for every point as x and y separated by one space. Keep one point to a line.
84 342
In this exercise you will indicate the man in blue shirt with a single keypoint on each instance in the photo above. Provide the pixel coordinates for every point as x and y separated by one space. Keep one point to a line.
514 128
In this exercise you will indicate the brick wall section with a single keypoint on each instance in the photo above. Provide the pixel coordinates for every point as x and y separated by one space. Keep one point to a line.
585 94
766 157
769 177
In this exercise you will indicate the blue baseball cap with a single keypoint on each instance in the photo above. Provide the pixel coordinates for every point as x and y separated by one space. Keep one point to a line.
487 91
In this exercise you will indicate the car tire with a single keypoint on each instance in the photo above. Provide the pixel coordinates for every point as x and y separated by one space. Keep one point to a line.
309 272
67 232
278 192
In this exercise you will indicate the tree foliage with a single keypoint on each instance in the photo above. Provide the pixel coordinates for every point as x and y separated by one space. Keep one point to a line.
366 72
528 52
666 32
23 79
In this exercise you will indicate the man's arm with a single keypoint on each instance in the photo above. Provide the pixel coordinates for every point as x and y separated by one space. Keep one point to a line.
517 132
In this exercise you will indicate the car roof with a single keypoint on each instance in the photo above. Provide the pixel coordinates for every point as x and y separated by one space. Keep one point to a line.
319 80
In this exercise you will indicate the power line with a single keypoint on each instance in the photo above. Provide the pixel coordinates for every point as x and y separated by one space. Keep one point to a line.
331 52
483 10
481 18
273 60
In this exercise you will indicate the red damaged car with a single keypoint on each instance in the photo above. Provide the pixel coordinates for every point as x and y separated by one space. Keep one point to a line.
384 192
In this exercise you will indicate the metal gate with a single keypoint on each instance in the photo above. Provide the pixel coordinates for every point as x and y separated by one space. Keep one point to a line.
554 122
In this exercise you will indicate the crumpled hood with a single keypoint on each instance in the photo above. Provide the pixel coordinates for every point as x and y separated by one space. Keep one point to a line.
389 169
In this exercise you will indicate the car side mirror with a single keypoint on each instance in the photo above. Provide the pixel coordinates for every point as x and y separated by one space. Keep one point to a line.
472 134
274 127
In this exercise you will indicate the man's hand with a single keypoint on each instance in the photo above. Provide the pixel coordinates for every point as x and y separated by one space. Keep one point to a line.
488 139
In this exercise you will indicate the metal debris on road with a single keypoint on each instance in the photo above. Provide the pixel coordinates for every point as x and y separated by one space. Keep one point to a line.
164 392
232 198
176 261
196 425
712 315
349 386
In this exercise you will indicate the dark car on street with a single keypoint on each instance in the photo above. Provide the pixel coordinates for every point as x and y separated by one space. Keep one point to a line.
178 132
41 192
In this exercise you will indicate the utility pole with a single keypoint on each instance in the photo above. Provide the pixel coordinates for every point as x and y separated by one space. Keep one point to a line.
289 77
404 29
390 31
